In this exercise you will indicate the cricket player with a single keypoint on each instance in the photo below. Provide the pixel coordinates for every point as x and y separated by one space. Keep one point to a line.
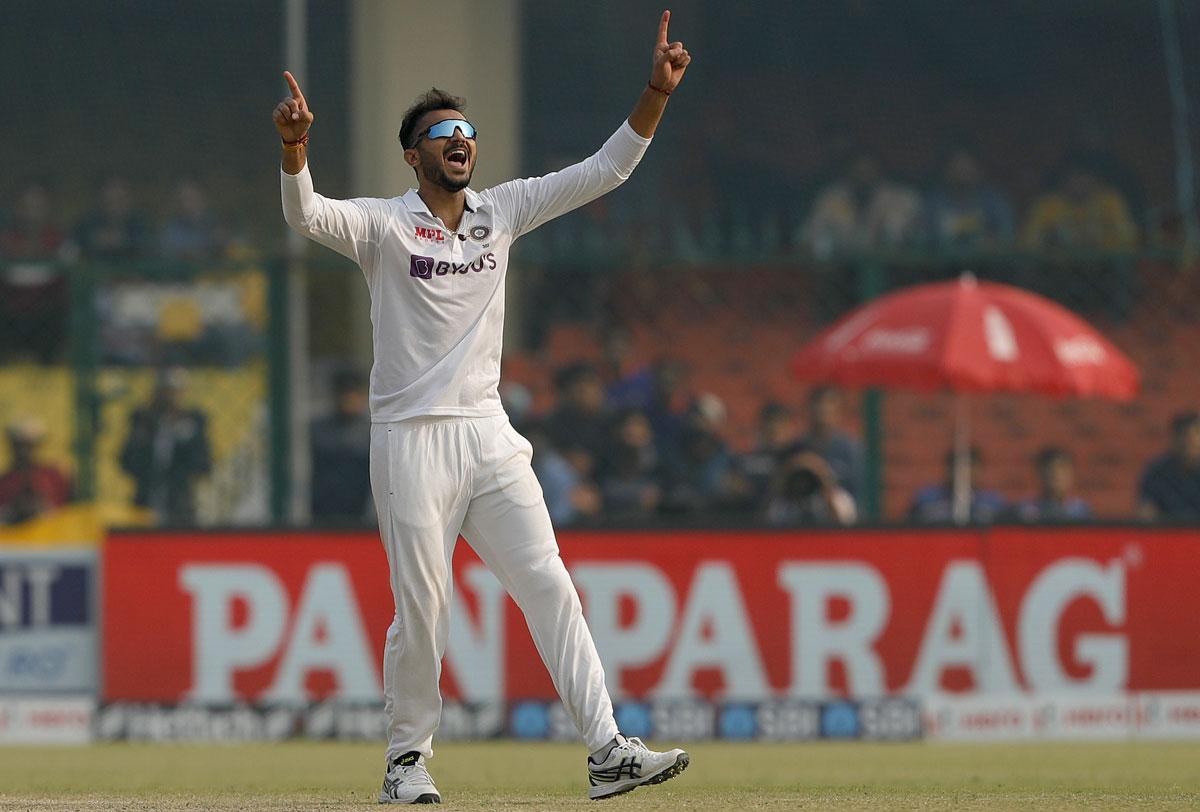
444 458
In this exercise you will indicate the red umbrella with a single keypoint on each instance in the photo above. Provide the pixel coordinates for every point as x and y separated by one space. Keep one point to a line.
968 336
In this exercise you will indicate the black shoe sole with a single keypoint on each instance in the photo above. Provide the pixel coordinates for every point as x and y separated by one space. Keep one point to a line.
426 798
681 764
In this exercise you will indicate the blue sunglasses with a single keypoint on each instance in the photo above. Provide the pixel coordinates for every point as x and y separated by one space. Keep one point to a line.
446 128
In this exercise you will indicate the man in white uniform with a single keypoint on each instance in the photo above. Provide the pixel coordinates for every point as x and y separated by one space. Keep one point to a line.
444 458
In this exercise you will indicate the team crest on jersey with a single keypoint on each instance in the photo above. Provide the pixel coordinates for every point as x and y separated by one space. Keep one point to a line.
429 234
479 233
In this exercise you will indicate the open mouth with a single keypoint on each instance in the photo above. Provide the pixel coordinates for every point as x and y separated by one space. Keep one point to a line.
457 157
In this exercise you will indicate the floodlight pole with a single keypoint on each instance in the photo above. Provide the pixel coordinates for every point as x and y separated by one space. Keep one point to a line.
289 503
1185 166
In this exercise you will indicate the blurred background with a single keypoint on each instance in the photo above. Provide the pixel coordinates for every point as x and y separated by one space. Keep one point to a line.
821 154
171 358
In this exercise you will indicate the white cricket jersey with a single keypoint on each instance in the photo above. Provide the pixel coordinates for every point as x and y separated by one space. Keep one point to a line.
437 296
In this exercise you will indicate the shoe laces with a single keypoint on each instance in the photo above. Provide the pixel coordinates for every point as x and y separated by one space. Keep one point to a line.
411 771
634 743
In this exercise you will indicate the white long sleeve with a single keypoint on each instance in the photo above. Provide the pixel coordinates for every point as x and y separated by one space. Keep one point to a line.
437 296
530 202
350 227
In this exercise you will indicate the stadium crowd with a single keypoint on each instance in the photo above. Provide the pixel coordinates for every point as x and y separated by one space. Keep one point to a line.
620 447
1090 203
637 448
36 244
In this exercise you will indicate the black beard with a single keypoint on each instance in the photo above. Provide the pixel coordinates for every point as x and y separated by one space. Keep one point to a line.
438 176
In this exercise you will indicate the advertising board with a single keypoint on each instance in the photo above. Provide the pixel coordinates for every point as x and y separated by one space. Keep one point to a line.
713 616
47 620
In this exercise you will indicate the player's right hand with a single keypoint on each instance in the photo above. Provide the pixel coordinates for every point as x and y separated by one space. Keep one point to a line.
292 116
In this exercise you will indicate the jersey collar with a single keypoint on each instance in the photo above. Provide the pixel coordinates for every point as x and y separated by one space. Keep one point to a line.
413 202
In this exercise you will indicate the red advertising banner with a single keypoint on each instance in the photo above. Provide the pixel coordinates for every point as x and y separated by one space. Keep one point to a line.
731 615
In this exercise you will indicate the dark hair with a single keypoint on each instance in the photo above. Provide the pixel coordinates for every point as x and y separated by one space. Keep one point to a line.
822 391
348 380
1050 455
974 456
625 415
1183 422
432 99
773 410
567 377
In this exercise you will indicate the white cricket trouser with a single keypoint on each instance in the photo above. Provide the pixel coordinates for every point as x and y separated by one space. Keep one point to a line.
432 478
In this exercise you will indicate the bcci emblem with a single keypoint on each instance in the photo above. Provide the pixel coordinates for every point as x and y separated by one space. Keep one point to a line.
479 233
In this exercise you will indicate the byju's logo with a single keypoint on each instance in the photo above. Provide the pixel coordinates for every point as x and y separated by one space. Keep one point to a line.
420 267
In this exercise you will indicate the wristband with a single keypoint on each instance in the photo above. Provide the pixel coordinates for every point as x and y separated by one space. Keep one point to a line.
658 89
299 142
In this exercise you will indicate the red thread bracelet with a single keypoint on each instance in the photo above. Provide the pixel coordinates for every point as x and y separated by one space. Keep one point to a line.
658 89
299 142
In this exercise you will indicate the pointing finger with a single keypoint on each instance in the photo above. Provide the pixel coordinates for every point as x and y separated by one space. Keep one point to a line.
662 28
291 80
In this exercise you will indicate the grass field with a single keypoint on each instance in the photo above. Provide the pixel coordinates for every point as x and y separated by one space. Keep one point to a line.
508 776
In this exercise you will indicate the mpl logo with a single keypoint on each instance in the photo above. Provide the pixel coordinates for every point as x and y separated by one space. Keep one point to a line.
429 234
421 267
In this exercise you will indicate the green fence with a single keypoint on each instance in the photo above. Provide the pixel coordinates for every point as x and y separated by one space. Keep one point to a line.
213 340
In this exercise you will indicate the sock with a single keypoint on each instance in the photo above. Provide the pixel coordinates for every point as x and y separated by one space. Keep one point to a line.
600 755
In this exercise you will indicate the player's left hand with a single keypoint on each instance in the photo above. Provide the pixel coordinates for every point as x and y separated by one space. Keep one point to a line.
670 59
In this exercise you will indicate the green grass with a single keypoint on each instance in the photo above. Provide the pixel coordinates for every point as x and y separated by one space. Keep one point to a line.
512 776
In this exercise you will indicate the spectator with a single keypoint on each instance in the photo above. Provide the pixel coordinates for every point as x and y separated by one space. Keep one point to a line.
667 403
935 503
1054 502
581 417
114 231
1082 214
862 212
626 383
1093 146
1170 487
167 449
192 234
776 435
825 436
28 488
805 491
965 212
702 476
33 289
517 402
630 482
341 445
32 234
566 476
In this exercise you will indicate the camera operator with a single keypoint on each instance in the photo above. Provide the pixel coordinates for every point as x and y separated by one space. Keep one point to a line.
806 491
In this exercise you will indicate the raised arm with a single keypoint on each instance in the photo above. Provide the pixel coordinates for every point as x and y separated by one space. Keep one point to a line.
533 201
292 119
666 72
346 226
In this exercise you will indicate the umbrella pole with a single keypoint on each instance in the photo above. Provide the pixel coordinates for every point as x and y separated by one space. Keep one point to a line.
962 461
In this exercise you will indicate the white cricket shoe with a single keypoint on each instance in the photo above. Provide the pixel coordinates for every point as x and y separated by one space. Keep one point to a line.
408 782
631 764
